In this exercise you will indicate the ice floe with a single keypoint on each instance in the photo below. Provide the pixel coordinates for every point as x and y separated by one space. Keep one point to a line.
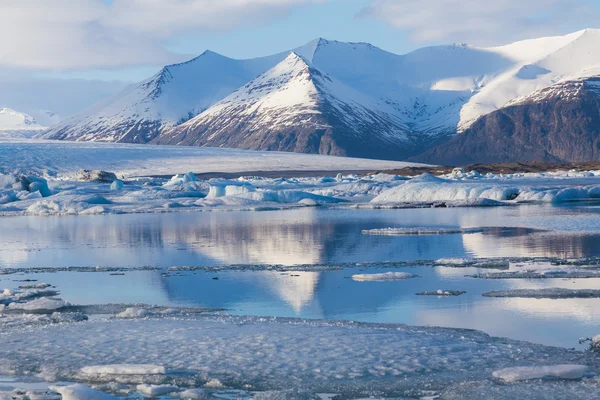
41 304
442 293
387 276
352 359
123 369
541 274
546 293
81 392
428 188
416 231
565 371
156 390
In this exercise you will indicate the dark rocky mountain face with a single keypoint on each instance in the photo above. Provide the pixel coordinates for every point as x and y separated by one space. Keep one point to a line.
558 124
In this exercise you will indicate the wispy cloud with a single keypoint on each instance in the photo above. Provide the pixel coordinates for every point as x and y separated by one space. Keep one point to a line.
482 22
67 34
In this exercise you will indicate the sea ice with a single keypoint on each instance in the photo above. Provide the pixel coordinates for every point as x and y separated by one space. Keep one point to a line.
440 292
124 369
565 371
156 390
41 304
421 231
81 392
134 312
353 359
546 293
541 274
388 276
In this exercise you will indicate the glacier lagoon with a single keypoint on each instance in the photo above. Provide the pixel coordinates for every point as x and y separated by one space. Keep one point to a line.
179 277
299 264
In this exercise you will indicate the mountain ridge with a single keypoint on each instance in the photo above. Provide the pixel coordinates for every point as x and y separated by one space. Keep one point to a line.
265 112
430 94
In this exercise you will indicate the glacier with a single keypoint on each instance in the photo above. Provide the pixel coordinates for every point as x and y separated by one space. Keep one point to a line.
44 178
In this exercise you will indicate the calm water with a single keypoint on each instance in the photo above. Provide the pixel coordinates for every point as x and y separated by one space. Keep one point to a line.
319 236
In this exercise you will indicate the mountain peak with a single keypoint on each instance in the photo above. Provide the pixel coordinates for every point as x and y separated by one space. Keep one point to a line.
294 64
294 57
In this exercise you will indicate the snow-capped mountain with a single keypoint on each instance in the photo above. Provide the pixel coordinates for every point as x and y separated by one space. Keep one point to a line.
546 108
16 124
348 98
177 93
560 123
296 107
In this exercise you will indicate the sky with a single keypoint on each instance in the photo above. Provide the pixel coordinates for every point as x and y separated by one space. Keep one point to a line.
125 39
87 42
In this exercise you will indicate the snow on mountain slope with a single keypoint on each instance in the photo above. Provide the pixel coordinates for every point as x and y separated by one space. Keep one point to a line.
17 124
177 93
297 107
538 64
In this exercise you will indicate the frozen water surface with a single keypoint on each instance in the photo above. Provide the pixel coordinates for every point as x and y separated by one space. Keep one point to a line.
269 353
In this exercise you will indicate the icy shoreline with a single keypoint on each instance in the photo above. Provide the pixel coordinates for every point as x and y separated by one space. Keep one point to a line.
48 178
264 354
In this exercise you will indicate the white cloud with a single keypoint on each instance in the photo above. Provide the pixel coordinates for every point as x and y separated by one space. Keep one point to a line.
79 34
482 22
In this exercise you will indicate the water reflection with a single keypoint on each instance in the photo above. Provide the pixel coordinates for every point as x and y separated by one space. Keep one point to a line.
320 236
307 236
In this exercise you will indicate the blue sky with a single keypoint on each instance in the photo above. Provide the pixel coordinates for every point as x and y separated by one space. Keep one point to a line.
335 20
131 39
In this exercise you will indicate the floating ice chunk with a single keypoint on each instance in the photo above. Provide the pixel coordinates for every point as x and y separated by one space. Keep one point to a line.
59 317
228 188
41 304
86 175
93 210
421 231
189 177
117 185
81 392
547 274
308 202
546 293
193 394
134 312
156 390
453 261
97 199
440 292
382 177
287 196
29 195
431 189
34 184
564 371
35 286
124 369
186 182
214 384
8 196
388 276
